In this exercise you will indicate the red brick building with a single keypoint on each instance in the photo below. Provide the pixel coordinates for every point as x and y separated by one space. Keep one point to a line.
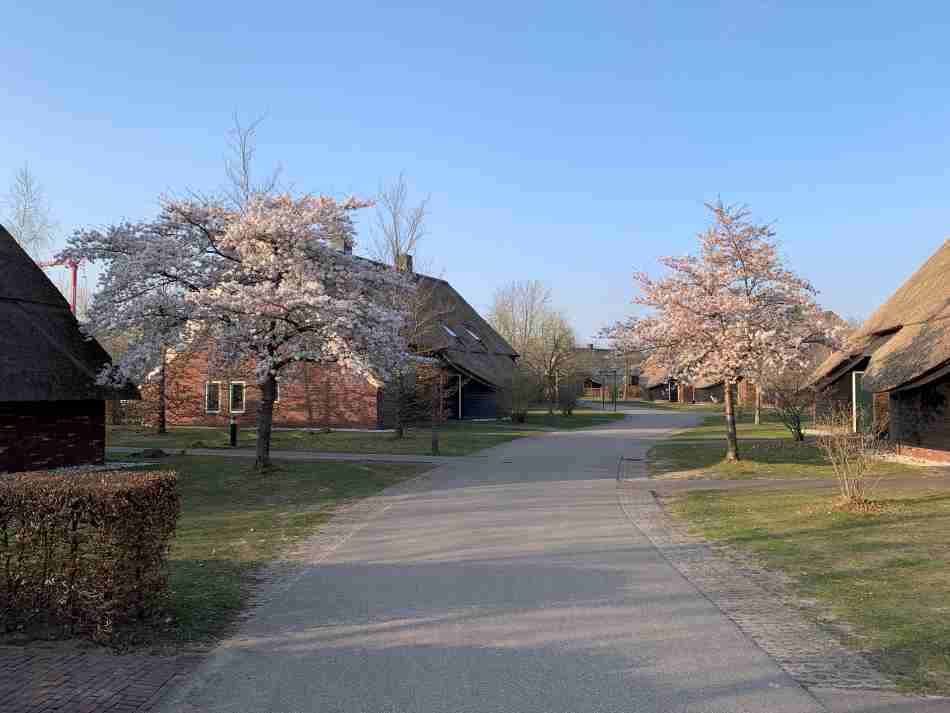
477 362
52 413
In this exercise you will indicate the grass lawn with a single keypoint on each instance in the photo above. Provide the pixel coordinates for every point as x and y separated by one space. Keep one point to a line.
457 439
766 451
884 578
671 405
714 428
234 520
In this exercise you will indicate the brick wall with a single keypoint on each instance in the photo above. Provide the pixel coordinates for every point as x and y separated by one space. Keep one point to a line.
836 395
312 395
920 419
36 435
745 392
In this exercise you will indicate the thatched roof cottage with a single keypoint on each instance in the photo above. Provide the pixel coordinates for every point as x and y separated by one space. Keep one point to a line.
52 412
904 352
656 382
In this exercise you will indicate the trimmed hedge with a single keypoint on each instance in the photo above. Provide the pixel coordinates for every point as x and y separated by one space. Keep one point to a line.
85 550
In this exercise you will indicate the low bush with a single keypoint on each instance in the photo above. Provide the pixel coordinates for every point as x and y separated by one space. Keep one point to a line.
85 551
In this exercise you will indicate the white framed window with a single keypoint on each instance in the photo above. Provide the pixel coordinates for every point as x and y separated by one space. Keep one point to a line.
474 336
236 402
449 331
277 390
212 396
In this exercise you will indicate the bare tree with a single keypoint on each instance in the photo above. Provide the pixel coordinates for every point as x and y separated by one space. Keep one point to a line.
398 226
542 336
518 311
239 165
552 356
28 216
790 396
852 457
406 392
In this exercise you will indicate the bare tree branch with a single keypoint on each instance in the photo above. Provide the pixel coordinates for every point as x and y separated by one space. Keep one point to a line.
398 226
242 145
28 215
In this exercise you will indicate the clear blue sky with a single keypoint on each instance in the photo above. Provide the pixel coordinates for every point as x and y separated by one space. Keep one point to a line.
571 143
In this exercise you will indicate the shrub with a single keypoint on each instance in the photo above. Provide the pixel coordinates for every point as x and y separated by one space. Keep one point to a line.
86 551
852 455
568 394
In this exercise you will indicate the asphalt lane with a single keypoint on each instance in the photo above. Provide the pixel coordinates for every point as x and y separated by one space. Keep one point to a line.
513 583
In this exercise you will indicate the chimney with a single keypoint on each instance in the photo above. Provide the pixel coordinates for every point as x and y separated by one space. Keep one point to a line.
342 244
404 263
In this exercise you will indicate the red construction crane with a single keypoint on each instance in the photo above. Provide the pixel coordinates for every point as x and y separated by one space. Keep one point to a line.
73 268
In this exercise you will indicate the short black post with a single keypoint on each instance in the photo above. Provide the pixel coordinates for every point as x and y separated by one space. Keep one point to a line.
232 431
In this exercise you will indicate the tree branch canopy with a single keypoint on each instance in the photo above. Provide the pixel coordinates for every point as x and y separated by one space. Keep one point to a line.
731 310
264 283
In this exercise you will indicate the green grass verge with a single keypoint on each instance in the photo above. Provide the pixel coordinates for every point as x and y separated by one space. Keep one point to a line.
766 450
671 406
885 577
234 520
456 439
714 428
781 459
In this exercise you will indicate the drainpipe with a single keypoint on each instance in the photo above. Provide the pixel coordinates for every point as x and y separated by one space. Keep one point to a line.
460 397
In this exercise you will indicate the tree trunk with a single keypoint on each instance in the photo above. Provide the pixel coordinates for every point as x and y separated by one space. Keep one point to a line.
162 399
758 405
732 440
265 419
437 404
435 438
400 408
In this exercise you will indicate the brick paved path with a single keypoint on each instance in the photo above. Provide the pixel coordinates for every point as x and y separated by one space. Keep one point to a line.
753 598
42 679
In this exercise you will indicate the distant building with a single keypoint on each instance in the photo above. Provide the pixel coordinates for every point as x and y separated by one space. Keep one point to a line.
52 412
657 383
603 369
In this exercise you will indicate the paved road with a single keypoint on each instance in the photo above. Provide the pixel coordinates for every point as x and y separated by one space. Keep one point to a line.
515 583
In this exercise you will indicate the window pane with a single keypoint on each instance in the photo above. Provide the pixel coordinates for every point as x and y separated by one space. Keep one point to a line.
237 397
213 396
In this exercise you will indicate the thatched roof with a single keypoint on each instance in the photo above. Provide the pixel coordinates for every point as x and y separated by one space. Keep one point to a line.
910 354
857 350
457 333
652 374
912 328
44 355
922 298
592 361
